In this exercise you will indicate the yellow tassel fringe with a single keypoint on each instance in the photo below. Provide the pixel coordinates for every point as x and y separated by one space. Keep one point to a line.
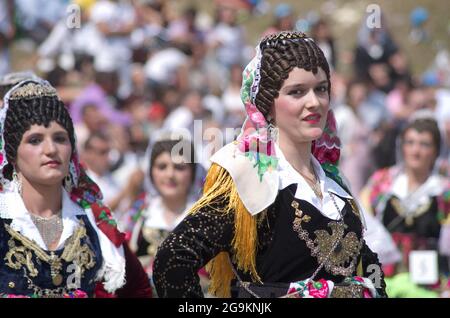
218 187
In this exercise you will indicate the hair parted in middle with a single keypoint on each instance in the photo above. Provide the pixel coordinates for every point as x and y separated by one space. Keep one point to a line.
168 145
281 53
33 104
426 124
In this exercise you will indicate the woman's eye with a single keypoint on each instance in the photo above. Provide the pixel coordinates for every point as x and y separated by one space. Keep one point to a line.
322 89
296 92
34 140
181 167
61 139
161 167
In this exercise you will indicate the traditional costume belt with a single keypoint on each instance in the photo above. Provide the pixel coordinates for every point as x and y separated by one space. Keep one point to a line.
281 290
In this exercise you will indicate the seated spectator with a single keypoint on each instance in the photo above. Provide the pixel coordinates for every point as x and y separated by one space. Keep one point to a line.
321 33
356 161
96 157
283 19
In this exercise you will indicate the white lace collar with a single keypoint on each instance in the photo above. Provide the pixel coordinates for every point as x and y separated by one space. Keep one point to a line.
154 215
12 207
411 201
288 175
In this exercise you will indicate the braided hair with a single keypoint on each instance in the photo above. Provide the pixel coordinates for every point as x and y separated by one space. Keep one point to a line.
25 111
281 53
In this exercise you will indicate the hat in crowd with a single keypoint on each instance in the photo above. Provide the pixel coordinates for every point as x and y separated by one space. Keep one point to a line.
430 79
84 4
418 16
282 10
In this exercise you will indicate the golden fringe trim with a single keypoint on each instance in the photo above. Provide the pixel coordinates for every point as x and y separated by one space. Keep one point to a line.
220 186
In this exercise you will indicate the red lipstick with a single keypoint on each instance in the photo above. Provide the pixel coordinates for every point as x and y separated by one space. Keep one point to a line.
313 118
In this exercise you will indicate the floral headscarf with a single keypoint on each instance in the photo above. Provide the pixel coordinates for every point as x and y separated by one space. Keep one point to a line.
258 136
256 146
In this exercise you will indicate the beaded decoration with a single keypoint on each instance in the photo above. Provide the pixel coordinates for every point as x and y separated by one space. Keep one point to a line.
32 90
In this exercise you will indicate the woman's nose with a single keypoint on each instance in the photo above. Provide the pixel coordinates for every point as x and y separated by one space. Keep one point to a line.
49 147
311 99
170 171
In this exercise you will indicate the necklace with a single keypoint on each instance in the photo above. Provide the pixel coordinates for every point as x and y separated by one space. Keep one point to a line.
49 228
74 251
332 251
314 184
327 255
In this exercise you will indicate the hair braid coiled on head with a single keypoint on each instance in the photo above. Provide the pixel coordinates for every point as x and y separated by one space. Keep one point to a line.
23 113
280 55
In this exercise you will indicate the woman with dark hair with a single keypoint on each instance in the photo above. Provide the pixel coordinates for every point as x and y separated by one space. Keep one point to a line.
57 239
169 183
413 202
275 218
172 187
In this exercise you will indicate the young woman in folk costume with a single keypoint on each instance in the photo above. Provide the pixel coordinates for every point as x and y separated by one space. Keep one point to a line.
275 218
57 239
173 184
412 200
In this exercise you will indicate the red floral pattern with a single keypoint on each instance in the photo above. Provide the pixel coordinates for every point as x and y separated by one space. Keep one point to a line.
88 195
326 149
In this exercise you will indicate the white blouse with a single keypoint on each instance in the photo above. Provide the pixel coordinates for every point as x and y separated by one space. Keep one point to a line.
288 175
12 207
113 267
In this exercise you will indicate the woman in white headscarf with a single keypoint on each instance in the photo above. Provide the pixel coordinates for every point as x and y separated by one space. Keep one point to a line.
172 185
412 199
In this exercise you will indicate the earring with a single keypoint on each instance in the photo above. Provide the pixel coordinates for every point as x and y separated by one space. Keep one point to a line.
68 183
273 131
17 181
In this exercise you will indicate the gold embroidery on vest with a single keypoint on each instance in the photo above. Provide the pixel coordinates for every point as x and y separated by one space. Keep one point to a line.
409 217
19 256
346 251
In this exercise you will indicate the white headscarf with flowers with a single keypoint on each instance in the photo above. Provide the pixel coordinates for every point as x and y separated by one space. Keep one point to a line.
255 148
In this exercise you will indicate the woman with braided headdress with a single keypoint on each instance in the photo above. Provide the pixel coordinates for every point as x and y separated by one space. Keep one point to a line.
57 239
275 218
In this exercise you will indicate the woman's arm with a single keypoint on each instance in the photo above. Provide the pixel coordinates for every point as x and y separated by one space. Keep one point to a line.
193 243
